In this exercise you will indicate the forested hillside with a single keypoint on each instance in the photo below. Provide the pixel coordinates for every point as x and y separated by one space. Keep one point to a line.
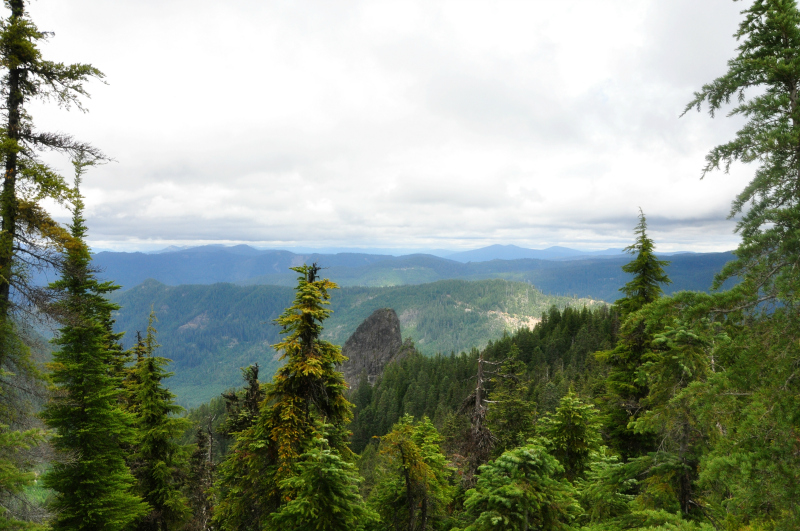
211 331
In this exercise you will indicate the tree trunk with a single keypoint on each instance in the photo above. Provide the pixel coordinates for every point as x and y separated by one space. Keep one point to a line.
8 197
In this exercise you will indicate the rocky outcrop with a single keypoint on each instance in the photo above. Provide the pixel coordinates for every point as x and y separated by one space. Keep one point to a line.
374 344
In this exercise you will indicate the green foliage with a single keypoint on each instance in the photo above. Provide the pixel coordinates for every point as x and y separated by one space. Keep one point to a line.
158 460
625 388
325 494
511 414
520 490
763 79
556 354
571 434
413 490
30 237
242 407
750 406
199 481
306 391
92 483
15 476
211 331
647 270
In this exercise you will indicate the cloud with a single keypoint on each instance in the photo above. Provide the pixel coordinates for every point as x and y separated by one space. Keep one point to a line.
438 123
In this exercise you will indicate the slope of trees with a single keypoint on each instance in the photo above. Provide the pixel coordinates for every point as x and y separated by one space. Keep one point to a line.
212 331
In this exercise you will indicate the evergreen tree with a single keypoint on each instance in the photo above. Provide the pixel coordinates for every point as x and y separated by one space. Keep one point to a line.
647 270
571 434
305 391
764 80
92 483
158 461
625 390
479 441
199 481
242 408
325 494
413 490
29 234
15 476
29 237
520 491
511 415
753 394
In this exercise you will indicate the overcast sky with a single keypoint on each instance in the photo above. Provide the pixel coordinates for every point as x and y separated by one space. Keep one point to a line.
430 124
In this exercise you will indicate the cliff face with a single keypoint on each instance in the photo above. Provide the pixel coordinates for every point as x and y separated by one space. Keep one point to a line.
372 346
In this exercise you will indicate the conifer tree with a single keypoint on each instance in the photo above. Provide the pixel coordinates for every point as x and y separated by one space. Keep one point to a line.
15 476
92 483
242 408
511 415
158 461
520 490
647 270
326 496
30 237
199 481
306 391
413 490
571 434
754 390
625 390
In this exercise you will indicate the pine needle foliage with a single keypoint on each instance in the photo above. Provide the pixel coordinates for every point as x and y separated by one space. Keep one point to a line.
158 461
414 488
306 391
16 476
92 483
307 387
571 434
763 81
326 494
30 237
520 490
647 270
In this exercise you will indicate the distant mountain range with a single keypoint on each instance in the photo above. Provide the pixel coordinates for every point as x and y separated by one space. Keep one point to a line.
597 277
512 252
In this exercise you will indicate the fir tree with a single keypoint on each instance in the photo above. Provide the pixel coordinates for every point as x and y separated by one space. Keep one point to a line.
520 491
647 270
764 80
413 491
306 390
29 234
625 390
325 494
571 434
199 481
241 408
754 390
92 483
511 415
16 476
158 461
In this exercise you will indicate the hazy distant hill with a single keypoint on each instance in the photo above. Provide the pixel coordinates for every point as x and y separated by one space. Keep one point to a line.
210 331
512 252
598 278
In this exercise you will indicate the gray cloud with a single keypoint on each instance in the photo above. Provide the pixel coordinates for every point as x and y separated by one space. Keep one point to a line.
413 124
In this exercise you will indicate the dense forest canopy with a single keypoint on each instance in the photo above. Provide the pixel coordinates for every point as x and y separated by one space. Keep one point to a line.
661 412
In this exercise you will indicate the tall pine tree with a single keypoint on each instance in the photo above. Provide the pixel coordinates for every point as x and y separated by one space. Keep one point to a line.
625 389
306 392
92 483
158 460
